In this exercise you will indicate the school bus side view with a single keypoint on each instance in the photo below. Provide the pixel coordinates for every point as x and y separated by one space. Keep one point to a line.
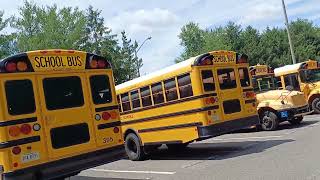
304 77
275 105
58 115
203 97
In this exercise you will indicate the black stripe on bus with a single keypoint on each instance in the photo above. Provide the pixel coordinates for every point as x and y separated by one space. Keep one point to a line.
18 121
170 127
170 103
109 125
163 142
170 115
250 101
19 142
107 108
246 90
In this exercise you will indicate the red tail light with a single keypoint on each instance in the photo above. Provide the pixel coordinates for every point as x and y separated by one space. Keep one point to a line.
106 116
25 129
14 131
116 129
102 64
206 61
249 95
16 150
11 67
113 114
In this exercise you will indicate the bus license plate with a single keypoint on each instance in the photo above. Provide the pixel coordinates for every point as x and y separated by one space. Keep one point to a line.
284 114
30 157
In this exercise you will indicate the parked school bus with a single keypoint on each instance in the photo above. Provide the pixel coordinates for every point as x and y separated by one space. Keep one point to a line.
202 97
275 105
304 77
59 114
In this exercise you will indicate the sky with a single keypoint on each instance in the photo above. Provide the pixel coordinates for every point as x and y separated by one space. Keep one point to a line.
162 19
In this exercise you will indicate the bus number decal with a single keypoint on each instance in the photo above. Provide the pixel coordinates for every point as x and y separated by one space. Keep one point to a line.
107 140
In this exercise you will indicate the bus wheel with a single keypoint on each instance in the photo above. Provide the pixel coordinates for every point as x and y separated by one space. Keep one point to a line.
179 146
296 121
134 148
315 105
269 121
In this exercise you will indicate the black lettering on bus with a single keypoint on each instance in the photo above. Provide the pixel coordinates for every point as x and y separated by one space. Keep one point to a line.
37 61
79 61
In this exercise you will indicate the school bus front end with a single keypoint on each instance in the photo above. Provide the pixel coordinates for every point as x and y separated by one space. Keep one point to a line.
303 77
199 98
58 115
276 105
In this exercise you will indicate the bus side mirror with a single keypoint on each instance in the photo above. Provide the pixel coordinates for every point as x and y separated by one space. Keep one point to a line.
289 88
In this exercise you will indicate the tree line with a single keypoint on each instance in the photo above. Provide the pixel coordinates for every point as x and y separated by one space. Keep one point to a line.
39 27
269 46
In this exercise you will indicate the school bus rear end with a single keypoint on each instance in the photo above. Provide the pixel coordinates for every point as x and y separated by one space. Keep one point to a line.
185 103
58 114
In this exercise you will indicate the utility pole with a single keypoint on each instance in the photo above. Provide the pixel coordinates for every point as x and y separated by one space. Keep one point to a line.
288 31
136 51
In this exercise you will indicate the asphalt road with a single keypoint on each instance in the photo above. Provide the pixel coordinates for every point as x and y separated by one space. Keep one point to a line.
290 153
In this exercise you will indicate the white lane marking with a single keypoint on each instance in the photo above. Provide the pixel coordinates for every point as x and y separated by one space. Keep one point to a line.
138 172
246 138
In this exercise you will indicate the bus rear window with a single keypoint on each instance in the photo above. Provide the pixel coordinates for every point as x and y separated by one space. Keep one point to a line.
227 78
63 92
100 89
244 77
207 80
20 97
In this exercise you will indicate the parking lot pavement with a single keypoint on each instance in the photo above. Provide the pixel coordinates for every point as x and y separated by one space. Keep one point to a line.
292 152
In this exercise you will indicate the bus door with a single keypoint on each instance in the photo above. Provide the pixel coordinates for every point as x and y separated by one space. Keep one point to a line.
105 109
66 114
229 91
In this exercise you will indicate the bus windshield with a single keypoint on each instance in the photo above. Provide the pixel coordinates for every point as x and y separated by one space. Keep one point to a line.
264 83
310 75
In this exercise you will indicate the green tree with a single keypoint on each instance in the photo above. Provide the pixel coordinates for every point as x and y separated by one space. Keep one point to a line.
7 43
192 39
250 39
49 27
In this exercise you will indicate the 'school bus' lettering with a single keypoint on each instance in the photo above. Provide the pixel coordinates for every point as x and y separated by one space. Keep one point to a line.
59 106
261 70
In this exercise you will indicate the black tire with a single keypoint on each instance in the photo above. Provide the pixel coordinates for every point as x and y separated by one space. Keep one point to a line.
296 121
179 146
269 121
315 105
134 148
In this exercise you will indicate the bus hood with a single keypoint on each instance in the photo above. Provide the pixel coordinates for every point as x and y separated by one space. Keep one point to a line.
280 99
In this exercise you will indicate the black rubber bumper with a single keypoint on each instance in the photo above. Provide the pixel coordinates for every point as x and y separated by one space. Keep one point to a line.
68 166
227 127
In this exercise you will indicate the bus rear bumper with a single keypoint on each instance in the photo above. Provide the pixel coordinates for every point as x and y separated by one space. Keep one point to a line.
227 127
67 167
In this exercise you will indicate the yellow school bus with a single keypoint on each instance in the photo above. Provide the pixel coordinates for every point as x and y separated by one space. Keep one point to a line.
275 105
304 77
202 97
59 114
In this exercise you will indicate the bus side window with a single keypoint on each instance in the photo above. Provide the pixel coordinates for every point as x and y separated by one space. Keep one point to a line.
244 77
185 87
207 80
118 101
146 96
227 79
100 89
292 80
157 93
20 97
171 89
278 82
125 102
135 99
